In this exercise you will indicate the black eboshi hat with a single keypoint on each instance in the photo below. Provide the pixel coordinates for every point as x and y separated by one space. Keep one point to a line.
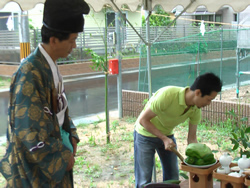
65 15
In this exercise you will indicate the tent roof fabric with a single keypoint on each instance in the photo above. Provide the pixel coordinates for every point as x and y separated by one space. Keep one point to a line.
168 5
24 4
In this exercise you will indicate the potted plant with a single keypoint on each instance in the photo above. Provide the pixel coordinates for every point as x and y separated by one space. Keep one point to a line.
240 134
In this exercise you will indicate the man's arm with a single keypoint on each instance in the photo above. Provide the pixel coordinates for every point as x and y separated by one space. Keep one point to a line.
192 133
146 123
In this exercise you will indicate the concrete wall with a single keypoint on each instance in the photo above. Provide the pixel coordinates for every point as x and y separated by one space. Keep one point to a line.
228 15
71 69
83 68
10 55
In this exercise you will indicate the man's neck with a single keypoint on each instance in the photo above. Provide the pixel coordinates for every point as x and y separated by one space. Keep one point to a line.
189 95
47 48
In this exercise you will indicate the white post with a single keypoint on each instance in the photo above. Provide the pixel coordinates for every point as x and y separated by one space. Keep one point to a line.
24 36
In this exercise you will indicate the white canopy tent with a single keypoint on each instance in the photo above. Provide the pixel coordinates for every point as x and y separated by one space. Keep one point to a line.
168 5
148 5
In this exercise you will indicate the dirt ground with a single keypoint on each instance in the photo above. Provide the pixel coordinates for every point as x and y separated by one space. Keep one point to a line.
103 165
230 95
117 163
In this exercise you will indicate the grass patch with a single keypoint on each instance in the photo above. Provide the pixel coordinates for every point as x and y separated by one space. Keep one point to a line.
82 125
98 164
130 119
4 82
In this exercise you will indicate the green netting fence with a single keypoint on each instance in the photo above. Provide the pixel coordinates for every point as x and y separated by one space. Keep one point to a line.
179 61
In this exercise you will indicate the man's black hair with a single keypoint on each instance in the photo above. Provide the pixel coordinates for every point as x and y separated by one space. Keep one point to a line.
207 83
47 33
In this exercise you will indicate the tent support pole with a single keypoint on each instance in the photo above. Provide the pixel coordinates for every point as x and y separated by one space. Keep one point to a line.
184 10
238 60
118 56
112 1
147 15
148 10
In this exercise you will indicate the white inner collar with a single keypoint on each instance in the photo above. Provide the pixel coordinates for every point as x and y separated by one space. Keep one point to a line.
53 65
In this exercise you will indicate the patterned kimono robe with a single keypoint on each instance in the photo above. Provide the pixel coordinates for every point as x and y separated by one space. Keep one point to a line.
35 155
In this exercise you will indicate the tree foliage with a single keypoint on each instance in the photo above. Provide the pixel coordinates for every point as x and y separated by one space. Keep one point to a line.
160 18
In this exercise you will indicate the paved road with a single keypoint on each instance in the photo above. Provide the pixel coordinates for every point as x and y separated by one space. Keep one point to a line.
86 96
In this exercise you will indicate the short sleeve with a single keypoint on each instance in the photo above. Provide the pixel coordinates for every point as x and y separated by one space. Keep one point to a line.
160 101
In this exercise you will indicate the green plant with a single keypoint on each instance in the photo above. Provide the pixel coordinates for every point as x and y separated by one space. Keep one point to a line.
94 171
92 185
157 163
31 26
145 101
107 157
92 141
104 150
240 134
183 174
127 136
82 125
98 62
1 82
115 124
4 81
81 160
101 63
95 123
131 179
240 139
130 119
160 18
4 144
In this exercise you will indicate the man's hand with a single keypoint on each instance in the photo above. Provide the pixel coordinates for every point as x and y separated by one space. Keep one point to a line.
74 144
70 163
168 143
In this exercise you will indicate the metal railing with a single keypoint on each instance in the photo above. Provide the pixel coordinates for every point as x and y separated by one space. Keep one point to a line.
93 38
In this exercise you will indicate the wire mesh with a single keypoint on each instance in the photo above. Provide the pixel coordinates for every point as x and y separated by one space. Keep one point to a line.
178 62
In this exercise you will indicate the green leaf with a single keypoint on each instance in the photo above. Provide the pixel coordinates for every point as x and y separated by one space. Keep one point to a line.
244 142
231 112
242 133
233 141
184 175
244 119
234 135
235 146
247 153
247 130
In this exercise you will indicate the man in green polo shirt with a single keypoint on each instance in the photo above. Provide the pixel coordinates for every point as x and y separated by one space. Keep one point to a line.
166 109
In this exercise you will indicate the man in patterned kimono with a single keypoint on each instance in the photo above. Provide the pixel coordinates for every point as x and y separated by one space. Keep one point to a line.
41 138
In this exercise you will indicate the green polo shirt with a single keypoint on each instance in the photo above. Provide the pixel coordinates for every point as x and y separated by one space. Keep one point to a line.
168 103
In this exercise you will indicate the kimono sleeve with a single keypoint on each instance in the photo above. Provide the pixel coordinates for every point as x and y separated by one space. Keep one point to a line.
34 126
